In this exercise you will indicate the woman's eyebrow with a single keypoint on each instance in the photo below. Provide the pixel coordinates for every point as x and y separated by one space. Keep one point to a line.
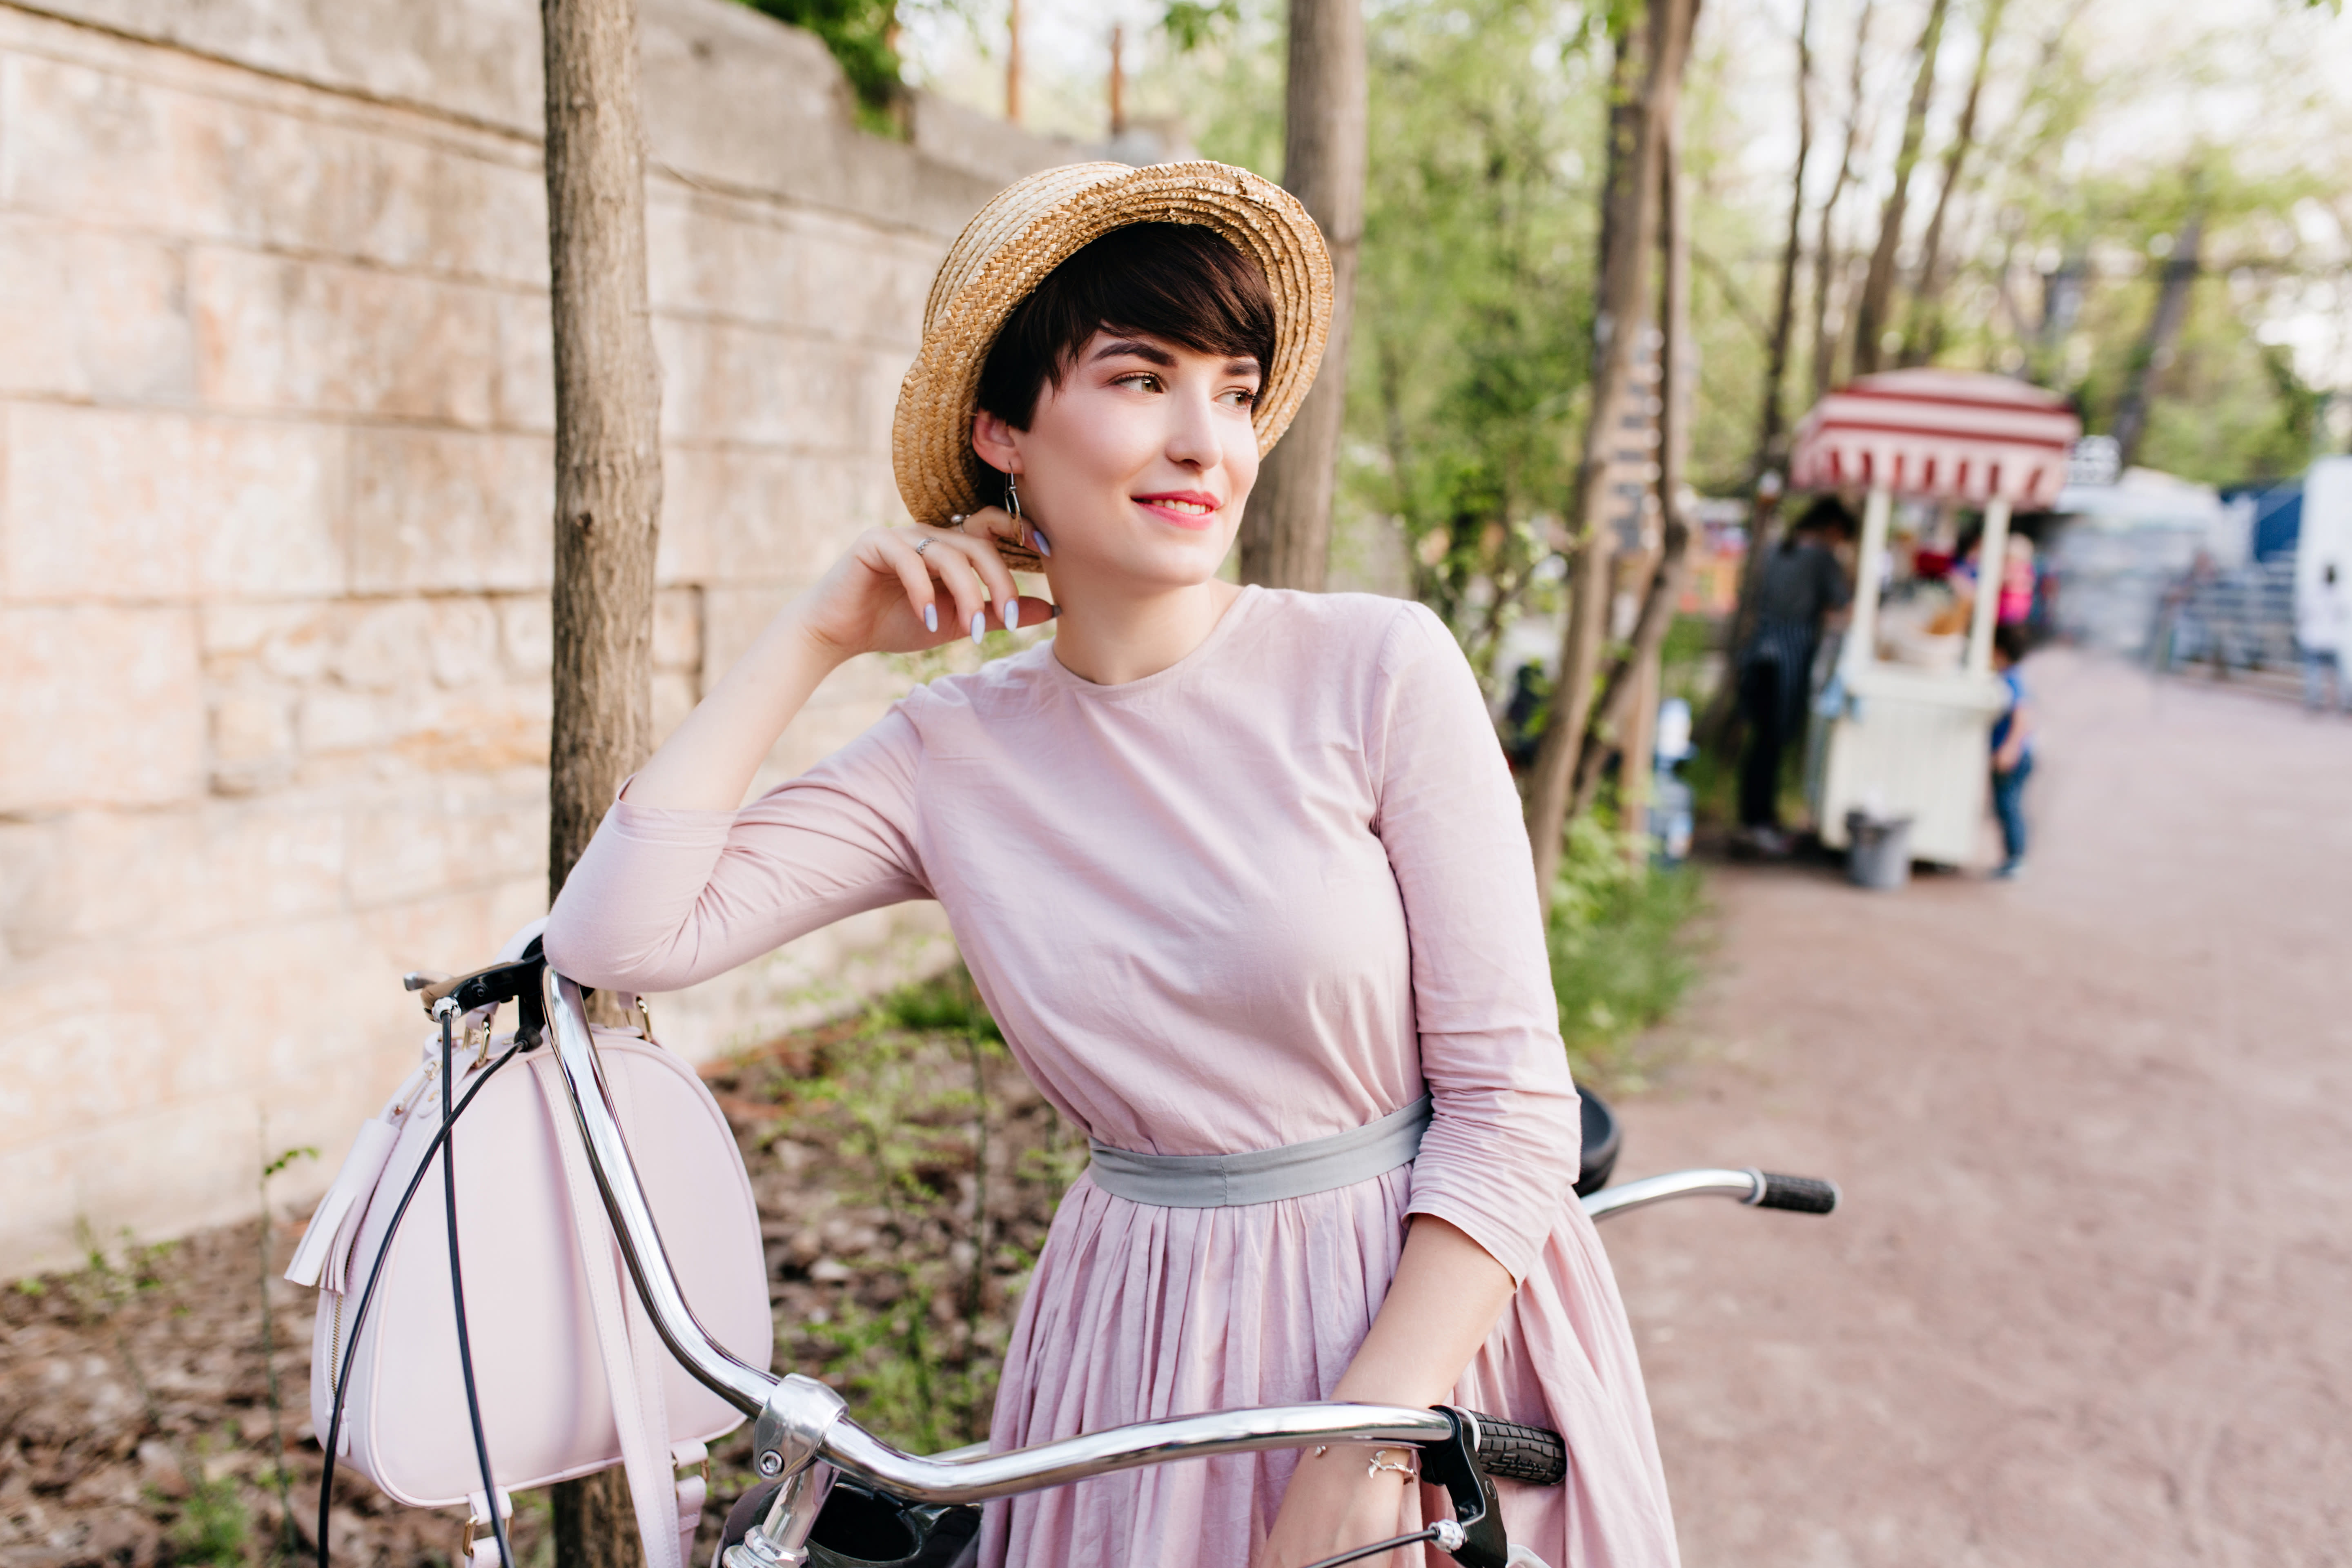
1151 353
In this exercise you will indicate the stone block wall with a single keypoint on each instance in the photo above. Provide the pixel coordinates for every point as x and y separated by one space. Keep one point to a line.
275 484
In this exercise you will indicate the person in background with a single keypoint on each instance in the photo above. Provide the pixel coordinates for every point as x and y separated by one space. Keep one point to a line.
2013 748
1803 586
2323 624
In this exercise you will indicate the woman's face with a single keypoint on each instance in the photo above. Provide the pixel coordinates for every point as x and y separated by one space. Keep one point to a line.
1137 466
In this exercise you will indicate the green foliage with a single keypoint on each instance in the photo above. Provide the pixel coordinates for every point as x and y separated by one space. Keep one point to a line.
889 1361
862 35
111 1278
1622 952
215 1523
291 1542
1472 305
948 1002
1190 24
913 1349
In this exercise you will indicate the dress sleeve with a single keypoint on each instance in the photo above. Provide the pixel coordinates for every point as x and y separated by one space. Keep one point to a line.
663 898
1501 1156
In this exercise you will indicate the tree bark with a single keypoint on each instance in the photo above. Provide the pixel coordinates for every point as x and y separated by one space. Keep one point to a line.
1012 62
1628 230
2155 351
1631 676
1286 533
1771 425
1924 339
1872 316
1825 340
608 488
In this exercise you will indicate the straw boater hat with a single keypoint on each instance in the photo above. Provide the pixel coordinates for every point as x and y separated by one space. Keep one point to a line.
1036 225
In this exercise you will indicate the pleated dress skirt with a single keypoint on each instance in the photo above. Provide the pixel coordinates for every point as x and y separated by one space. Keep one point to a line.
1137 1311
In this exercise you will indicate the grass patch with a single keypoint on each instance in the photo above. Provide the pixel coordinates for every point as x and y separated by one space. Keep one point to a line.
214 1524
1623 951
907 1174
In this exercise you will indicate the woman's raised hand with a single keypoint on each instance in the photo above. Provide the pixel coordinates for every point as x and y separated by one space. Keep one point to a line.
902 590
899 590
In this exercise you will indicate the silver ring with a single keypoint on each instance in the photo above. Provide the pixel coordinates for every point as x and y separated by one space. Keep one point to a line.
924 543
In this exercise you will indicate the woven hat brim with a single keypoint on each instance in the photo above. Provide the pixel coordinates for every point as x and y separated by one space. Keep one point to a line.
1036 224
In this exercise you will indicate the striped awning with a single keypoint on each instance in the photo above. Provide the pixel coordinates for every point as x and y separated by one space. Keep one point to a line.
1943 434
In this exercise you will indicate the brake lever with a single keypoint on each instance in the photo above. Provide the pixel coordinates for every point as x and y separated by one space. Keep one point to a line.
1453 1464
515 981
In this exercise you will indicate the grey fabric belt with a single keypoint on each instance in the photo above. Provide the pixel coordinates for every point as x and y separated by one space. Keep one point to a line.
1264 1175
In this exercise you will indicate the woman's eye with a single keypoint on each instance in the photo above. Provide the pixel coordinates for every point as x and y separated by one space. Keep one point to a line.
1242 397
1142 379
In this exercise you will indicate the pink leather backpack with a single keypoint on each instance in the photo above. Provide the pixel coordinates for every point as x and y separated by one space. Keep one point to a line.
571 1375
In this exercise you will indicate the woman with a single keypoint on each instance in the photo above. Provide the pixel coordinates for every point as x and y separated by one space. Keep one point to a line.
1236 870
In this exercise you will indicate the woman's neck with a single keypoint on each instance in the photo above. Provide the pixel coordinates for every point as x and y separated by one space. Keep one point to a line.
1110 638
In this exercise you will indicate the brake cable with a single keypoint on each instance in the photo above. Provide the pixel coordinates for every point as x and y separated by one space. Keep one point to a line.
1447 1538
525 1039
448 1011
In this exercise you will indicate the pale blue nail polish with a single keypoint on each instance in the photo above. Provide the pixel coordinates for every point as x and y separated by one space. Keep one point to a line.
1012 615
1045 545
979 624
932 620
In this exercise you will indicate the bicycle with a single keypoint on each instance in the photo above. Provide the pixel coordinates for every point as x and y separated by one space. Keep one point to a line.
828 1482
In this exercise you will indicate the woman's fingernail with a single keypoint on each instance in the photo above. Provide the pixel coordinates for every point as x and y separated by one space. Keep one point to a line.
1055 614
1045 545
932 620
979 624
1012 615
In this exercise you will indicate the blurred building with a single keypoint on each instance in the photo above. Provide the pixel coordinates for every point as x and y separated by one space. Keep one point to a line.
275 484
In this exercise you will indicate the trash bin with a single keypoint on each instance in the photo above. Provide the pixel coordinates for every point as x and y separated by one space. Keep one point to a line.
1878 850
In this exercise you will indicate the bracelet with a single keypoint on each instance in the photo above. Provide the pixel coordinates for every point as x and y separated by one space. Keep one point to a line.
1384 1459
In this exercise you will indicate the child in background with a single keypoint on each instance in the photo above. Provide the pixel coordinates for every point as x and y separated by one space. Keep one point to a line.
2012 749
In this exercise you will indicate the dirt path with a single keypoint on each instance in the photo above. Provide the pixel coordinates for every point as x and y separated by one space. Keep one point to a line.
2090 1300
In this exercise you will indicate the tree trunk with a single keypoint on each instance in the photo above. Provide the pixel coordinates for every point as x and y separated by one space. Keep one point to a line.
1772 427
1825 340
1925 338
1629 222
1286 534
1632 678
2155 351
1012 62
1872 316
608 491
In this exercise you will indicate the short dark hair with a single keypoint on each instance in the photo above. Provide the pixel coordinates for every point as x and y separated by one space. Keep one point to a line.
2010 640
1177 282
1826 515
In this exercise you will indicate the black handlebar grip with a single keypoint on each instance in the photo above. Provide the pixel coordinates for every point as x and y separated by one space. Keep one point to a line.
1802 1194
1511 1452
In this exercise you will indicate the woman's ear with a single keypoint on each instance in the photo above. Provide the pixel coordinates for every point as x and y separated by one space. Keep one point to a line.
991 438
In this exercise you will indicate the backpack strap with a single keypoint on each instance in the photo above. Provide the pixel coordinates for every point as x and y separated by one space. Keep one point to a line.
642 1424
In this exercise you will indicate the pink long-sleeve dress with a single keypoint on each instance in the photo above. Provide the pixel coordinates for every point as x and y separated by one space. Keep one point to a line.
1271 893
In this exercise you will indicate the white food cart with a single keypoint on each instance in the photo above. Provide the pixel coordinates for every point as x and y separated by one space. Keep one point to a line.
1907 741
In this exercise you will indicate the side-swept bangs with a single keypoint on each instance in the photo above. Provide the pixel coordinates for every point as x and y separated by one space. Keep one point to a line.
1176 281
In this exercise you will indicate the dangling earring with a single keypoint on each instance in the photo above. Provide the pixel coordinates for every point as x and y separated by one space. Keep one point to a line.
1012 504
